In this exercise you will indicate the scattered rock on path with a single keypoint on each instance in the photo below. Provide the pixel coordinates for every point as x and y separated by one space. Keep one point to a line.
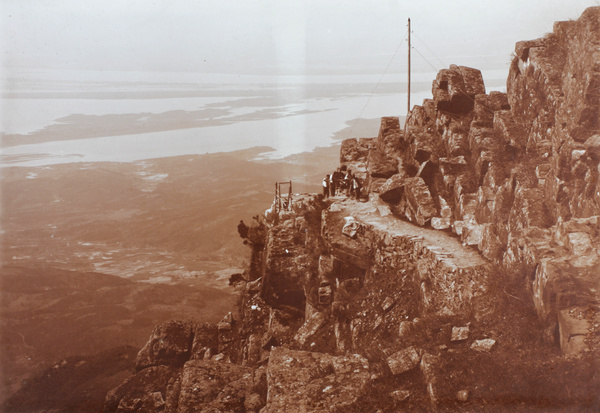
484 345
460 333
403 360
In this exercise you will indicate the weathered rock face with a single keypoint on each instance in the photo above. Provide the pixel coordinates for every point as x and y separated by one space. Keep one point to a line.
169 344
146 391
355 152
392 190
448 276
420 207
454 89
315 382
219 387
403 360
475 255
567 279
283 268
505 171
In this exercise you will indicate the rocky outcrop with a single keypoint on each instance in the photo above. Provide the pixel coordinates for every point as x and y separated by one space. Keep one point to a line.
218 387
315 382
170 344
455 89
509 172
472 258
146 391
448 276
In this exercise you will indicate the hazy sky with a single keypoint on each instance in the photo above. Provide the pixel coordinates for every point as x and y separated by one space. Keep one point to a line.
269 36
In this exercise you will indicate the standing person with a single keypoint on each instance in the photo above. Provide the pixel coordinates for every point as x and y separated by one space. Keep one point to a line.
338 177
243 229
349 177
348 182
332 184
356 187
326 187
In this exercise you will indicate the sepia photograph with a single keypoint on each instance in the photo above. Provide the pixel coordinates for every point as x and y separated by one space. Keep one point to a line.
261 206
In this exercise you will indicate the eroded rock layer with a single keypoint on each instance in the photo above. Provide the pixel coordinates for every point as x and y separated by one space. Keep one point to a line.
463 277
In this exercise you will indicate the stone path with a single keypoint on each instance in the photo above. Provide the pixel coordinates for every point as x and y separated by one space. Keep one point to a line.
439 242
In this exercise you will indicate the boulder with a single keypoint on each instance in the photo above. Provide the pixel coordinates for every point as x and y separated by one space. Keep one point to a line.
523 47
456 165
497 174
483 346
205 337
562 283
529 209
430 110
405 329
403 360
429 367
419 200
375 184
487 105
490 244
139 393
426 145
389 133
384 210
456 137
355 251
312 332
381 165
464 186
169 344
315 382
226 323
482 140
454 89
440 223
253 349
592 148
417 116
351 227
570 233
393 189
511 131
460 333
472 233
220 357
281 326
573 328
253 287
215 386
462 395
354 151
388 303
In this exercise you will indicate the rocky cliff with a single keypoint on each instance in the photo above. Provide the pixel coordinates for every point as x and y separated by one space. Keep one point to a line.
466 277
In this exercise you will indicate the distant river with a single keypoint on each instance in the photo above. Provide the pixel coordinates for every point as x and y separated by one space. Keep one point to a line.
57 117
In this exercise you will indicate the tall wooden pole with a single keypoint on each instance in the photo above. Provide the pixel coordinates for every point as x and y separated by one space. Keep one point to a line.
408 109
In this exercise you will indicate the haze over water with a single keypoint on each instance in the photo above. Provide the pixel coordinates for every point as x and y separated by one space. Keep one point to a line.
114 81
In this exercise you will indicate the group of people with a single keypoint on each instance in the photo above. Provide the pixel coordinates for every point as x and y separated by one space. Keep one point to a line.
341 183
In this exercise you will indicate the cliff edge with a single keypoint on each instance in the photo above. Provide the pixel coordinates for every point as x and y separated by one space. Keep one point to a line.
465 278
